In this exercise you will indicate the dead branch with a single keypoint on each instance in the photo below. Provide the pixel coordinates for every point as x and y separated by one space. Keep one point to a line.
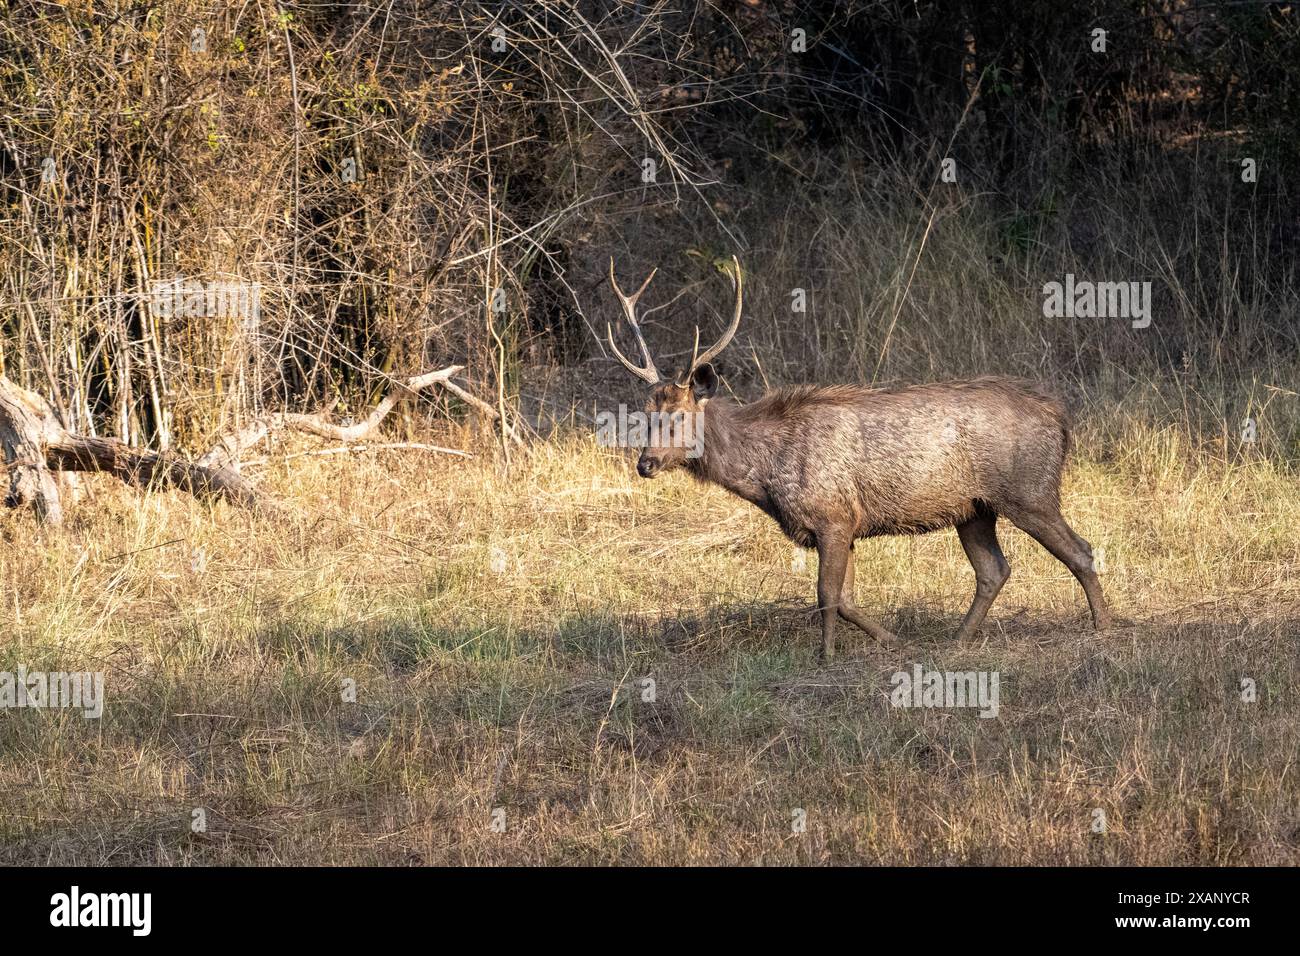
230 447
35 445
483 407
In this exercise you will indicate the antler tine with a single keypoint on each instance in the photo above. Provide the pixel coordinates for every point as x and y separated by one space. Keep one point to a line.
723 342
695 361
648 373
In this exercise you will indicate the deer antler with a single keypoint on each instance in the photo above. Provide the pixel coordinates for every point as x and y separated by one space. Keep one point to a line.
722 343
649 373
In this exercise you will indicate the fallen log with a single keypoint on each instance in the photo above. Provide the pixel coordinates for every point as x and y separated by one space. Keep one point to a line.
228 449
36 446
24 421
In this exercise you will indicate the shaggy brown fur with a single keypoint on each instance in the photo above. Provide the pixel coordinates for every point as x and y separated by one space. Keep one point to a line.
833 464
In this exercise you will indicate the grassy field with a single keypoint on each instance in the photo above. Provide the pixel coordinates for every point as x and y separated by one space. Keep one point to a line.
499 629
427 659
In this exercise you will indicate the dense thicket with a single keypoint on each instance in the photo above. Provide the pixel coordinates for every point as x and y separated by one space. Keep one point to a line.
419 183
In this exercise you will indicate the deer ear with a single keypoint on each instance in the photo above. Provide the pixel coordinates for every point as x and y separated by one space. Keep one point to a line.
704 382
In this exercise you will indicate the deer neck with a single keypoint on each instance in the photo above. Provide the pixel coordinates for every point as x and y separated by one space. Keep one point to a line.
735 452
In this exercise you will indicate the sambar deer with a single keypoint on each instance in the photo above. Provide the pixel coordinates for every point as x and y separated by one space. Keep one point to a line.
837 463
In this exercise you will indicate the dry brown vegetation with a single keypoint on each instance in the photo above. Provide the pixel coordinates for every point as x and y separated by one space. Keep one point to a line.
498 630
498 613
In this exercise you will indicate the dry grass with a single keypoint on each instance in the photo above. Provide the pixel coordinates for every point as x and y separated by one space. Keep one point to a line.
497 625
480 689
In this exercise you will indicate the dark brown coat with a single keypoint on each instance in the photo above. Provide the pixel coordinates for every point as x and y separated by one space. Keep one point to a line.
833 464
888 461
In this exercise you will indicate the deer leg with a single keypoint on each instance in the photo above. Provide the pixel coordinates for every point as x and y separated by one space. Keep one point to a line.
849 609
1051 531
832 560
979 539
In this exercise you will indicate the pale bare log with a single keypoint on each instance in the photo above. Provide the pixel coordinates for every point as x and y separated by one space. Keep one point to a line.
69 452
35 444
25 419
230 447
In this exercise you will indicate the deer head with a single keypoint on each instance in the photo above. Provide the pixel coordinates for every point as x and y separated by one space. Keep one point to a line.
675 409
